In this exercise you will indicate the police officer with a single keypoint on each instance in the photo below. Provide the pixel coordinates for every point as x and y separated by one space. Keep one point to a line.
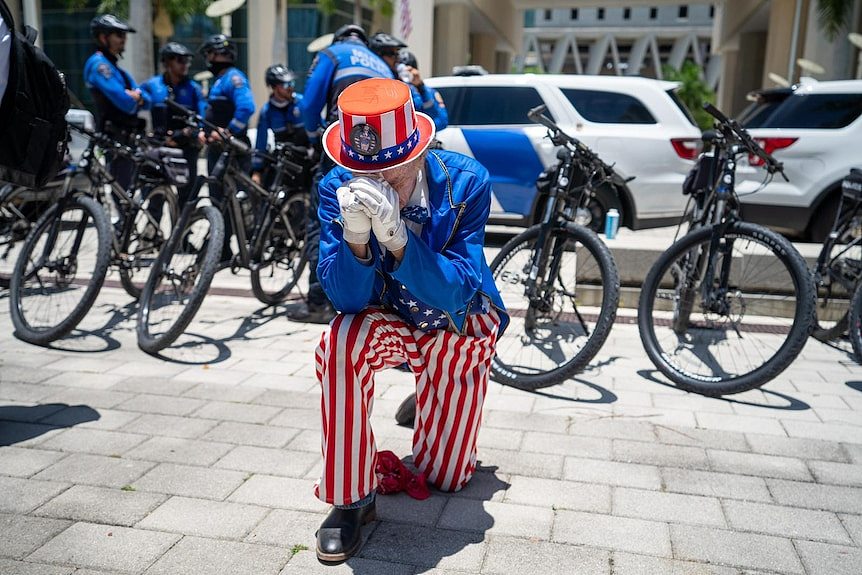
388 48
425 98
174 84
230 105
345 62
282 114
114 91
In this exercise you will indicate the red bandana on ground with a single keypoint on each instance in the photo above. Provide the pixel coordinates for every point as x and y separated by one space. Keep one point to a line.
393 476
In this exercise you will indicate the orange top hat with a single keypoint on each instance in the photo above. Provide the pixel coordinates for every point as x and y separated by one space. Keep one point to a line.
377 127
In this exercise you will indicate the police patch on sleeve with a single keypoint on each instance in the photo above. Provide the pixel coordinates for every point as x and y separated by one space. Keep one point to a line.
105 71
237 81
296 112
439 99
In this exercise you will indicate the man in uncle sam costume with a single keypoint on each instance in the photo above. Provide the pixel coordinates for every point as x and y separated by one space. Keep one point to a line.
401 259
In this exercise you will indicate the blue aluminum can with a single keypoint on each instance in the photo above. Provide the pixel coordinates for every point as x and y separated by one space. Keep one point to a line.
612 223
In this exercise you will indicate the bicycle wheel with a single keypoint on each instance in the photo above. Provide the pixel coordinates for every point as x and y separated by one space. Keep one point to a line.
843 270
151 228
279 257
60 270
560 331
179 280
750 334
14 227
854 327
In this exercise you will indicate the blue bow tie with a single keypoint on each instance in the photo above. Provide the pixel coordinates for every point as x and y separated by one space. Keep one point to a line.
416 214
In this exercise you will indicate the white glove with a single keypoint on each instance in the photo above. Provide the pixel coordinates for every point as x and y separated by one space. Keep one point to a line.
357 223
380 201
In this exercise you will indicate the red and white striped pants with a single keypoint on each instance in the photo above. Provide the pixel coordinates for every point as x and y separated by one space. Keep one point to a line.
451 373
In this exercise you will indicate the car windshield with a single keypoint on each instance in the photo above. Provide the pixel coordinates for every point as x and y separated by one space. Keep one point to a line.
756 114
815 111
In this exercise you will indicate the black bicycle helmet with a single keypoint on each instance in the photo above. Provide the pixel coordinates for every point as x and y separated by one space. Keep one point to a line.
408 58
219 44
107 23
174 50
278 75
350 30
382 42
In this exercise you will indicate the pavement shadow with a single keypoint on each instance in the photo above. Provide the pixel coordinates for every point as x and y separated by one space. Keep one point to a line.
209 350
20 423
788 403
99 339
605 395
446 528
856 385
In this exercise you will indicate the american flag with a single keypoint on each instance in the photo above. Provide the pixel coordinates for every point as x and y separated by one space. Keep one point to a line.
406 20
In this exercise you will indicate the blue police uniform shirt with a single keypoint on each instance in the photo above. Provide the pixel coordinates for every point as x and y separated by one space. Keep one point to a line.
283 118
102 75
230 101
334 68
428 101
187 93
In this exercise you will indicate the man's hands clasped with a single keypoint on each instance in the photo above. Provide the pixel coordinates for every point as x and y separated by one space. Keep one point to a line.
378 204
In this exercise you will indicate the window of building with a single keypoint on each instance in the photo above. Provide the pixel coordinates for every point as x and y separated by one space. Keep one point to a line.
489 105
653 13
548 14
600 14
608 107
712 10
682 12
574 14
627 13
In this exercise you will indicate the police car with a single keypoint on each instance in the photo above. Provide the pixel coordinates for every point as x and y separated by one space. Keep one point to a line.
638 124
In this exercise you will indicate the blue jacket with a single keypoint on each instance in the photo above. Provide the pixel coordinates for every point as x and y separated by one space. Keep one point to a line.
428 101
284 121
231 102
188 93
108 84
443 269
334 68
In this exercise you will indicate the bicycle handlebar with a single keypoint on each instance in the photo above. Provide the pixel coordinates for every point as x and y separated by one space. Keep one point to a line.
772 165
538 116
226 136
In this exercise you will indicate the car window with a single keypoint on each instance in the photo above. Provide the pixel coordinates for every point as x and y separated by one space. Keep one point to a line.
756 114
490 105
681 105
816 111
608 107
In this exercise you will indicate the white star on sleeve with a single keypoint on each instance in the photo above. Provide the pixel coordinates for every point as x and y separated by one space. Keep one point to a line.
436 323
350 153
428 312
411 303
374 157
388 155
400 150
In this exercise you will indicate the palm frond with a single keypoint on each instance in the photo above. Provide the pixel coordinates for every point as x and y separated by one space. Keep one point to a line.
833 15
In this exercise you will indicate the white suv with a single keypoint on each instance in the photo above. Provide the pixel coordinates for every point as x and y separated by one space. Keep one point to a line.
817 133
638 124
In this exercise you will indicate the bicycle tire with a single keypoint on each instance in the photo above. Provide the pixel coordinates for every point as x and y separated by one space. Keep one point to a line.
22 294
201 271
143 250
511 270
854 324
282 240
707 325
842 256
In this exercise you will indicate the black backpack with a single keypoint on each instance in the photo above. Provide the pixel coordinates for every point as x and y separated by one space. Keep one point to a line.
33 130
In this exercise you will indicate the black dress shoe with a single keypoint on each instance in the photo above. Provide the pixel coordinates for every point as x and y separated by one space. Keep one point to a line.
322 314
340 534
406 413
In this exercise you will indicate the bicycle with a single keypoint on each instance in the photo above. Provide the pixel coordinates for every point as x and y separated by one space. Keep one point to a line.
49 291
730 304
269 226
557 278
838 270
20 207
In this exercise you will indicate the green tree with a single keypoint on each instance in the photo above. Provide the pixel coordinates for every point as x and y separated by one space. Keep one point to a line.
833 15
693 91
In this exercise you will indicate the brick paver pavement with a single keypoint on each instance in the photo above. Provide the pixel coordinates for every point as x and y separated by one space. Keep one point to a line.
116 462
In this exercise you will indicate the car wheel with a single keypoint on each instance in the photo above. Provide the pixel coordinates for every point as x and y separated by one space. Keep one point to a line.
823 218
